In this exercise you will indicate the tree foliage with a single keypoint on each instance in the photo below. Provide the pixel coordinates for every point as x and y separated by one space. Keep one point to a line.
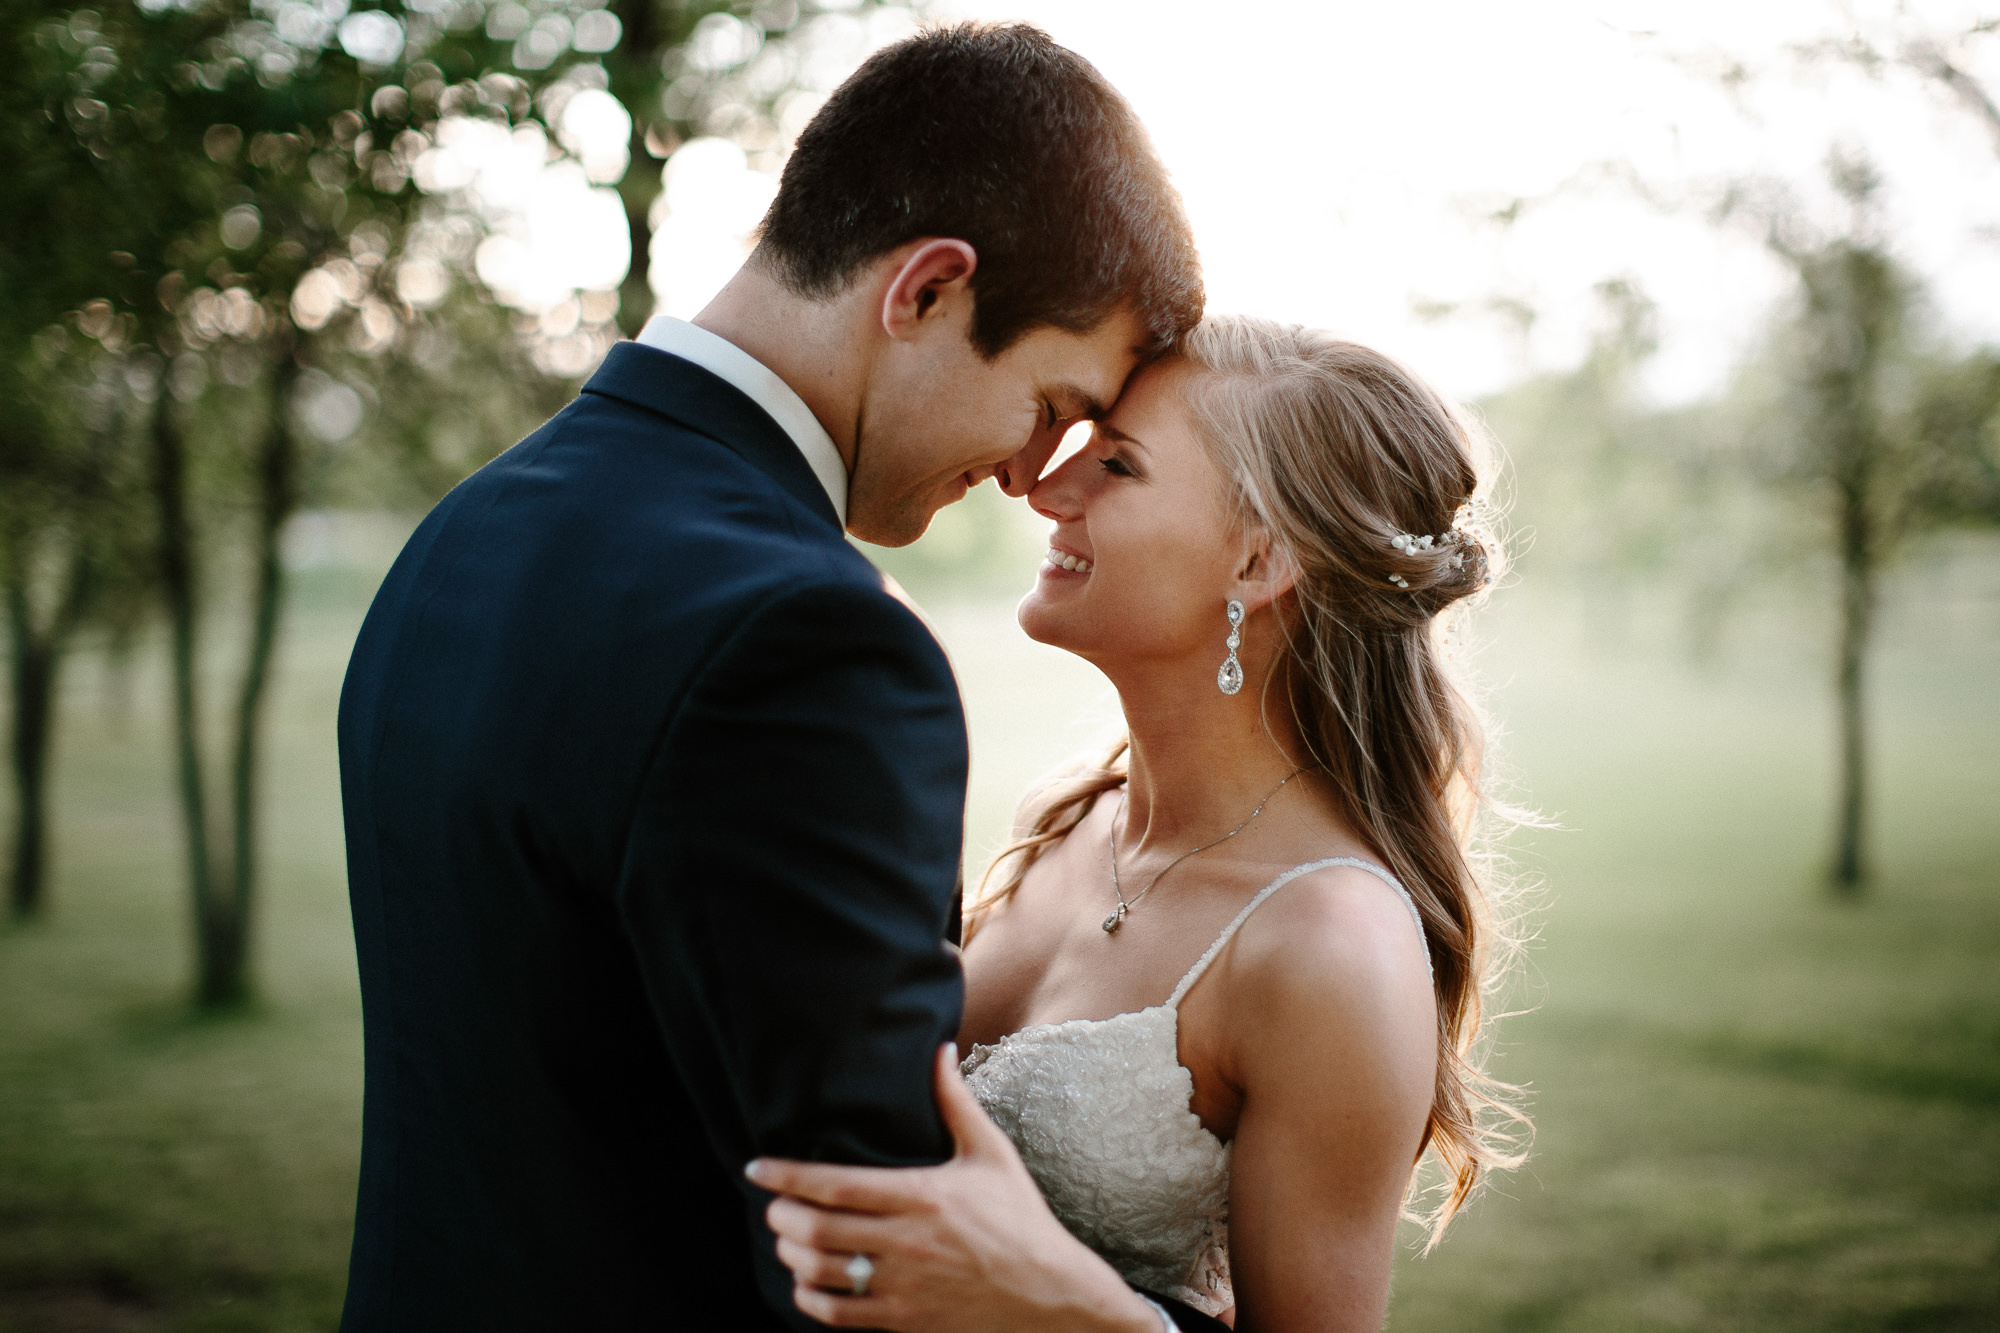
251 228
1854 428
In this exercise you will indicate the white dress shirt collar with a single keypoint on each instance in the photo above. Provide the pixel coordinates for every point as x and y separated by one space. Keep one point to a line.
730 363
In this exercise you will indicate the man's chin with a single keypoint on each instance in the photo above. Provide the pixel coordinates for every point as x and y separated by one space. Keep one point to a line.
901 524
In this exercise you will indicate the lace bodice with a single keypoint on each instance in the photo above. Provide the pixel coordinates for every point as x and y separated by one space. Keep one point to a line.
1100 1112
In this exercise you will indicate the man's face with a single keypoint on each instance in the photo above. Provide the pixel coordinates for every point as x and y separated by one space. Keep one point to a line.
939 418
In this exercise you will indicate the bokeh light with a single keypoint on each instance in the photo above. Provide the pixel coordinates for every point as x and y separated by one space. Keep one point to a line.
702 222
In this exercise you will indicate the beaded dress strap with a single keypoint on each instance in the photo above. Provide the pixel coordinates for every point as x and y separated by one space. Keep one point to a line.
1201 963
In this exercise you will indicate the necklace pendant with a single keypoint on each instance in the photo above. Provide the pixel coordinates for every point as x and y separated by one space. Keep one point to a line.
1112 922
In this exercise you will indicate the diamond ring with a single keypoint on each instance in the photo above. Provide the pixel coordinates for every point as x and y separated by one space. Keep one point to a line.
859 1270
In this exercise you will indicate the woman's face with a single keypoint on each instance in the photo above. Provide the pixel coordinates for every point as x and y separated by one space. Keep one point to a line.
1141 513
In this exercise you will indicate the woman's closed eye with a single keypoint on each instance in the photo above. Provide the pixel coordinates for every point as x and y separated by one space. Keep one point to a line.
1116 465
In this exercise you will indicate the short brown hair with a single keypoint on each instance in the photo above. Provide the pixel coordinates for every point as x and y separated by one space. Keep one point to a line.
994 135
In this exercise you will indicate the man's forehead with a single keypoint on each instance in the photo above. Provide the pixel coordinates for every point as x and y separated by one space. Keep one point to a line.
1079 401
1097 379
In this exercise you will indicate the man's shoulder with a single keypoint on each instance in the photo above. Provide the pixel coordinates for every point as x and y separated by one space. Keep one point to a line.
606 473
621 446
668 500
837 608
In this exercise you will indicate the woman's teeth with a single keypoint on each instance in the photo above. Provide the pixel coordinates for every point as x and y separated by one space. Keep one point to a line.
1062 560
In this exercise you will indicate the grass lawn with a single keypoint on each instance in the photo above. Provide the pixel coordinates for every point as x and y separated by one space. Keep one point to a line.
1757 1109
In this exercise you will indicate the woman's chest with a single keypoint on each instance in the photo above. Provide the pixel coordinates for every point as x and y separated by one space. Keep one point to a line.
1044 958
1031 969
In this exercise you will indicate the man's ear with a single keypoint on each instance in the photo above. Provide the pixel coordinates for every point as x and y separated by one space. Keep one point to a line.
1267 572
935 275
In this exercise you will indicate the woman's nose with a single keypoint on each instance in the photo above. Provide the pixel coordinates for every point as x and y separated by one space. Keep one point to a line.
1057 496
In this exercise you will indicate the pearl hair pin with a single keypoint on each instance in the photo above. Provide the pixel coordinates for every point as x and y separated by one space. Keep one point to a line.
1412 544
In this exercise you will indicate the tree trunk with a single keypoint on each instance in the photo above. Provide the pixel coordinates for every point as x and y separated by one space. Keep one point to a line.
636 81
225 972
1857 606
34 660
177 585
635 294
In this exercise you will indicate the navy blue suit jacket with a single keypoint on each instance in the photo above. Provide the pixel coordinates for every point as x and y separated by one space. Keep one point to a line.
654 801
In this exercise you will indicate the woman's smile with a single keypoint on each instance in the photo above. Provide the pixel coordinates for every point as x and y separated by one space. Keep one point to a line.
1058 561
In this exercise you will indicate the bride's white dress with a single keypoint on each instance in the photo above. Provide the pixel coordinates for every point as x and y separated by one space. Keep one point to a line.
1099 1109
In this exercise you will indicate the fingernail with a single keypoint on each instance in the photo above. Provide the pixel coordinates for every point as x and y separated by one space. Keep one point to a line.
753 1167
952 1048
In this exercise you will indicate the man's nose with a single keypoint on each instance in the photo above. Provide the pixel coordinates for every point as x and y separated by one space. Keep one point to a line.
1017 476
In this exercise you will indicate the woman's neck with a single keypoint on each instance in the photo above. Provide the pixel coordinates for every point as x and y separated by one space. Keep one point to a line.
1200 760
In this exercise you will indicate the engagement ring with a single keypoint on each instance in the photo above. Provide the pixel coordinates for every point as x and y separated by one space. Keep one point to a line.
859 1270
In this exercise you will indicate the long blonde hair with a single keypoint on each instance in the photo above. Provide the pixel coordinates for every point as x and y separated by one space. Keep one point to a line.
1339 454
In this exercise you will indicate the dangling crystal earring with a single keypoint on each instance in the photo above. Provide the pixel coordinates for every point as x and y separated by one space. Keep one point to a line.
1230 678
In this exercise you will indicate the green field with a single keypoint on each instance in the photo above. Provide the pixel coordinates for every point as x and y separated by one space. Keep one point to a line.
1757 1109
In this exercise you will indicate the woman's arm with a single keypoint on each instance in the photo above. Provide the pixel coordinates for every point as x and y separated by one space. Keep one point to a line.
966 1247
1336 1075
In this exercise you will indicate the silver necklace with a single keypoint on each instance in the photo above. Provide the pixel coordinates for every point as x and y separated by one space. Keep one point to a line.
1111 923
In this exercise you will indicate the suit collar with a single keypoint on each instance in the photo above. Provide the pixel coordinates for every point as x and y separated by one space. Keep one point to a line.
680 390
766 388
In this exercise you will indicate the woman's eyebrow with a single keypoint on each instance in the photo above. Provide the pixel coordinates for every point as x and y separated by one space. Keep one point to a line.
1113 433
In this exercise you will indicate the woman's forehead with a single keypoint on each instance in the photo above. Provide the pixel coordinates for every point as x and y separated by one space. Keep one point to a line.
1152 397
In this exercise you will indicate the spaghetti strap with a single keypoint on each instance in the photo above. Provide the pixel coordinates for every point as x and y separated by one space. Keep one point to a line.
1201 963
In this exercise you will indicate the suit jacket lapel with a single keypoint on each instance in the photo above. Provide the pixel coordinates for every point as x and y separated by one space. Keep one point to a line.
678 389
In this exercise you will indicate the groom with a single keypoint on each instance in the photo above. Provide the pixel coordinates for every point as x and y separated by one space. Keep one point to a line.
653 789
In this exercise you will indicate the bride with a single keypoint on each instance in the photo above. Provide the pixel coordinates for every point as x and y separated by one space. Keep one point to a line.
1223 991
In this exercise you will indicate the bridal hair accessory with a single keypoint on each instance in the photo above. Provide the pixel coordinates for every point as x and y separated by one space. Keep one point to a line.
1475 514
1111 923
1412 545
1229 678
859 1270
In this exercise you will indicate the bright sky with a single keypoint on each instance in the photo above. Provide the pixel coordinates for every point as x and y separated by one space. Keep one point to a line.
1331 152
1336 157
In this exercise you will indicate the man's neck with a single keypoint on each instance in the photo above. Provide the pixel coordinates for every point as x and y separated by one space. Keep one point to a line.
810 345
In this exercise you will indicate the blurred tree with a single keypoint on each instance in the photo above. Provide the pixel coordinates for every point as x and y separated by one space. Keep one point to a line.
642 69
1623 498
309 210
1866 428
751 71
1848 408
70 536
72 552
1846 343
1907 40
220 153
1853 408
1893 435
317 268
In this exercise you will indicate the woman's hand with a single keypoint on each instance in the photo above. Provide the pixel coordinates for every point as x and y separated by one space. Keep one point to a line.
966 1247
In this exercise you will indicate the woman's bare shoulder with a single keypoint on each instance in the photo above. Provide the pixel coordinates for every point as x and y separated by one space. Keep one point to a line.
1333 956
1344 911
